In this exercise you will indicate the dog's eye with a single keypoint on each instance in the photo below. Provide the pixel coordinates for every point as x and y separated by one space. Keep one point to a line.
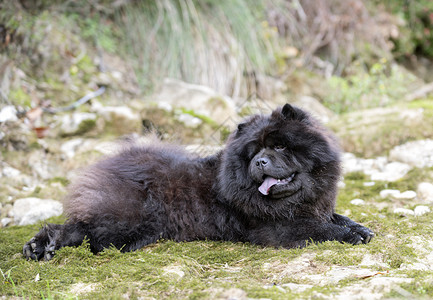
279 148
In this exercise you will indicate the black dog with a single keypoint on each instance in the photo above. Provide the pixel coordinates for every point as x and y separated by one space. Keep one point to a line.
275 184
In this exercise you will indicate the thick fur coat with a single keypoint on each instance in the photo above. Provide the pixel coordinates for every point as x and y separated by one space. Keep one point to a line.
275 184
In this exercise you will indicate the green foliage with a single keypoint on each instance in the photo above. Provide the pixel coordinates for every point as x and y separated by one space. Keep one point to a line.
416 35
384 83
207 42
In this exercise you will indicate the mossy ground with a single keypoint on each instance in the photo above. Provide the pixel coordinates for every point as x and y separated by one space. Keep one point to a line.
208 269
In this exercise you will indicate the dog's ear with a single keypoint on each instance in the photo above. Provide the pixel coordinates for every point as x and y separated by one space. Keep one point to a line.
289 112
241 127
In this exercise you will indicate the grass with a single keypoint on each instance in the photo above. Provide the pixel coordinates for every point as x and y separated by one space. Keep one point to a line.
208 269
205 42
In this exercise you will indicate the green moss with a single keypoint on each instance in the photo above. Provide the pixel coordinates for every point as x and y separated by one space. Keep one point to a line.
62 180
20 98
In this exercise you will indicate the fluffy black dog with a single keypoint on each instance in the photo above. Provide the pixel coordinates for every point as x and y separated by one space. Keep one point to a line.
275 184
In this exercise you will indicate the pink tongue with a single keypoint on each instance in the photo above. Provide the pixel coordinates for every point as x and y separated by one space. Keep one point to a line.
266 185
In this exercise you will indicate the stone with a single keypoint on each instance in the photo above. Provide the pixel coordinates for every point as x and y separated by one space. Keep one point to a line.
421 210
391 172
374 132
351 163
69 148
200 99
357 202
8 114
72 124
9 171
425 192
5 221
417 153
26 211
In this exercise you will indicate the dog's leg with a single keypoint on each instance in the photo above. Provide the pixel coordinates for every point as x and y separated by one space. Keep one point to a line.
298 233
364 232
52 237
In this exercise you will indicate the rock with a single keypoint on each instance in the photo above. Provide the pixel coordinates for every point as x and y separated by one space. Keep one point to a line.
8 114
407 195
391 172
373 132
69 148
5 221
357 202
313 106
44 165
351 163
377 168
16 136
202 100
174 270
8 171
397 195
404 212
425 192
28 211
121 119
421 210
189 121
77 123
417 154
415 266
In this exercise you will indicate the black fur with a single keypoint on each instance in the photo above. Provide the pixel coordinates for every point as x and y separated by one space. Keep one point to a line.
147 193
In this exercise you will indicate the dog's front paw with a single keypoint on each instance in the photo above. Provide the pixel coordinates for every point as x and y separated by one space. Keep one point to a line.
34 249
358 234
366 234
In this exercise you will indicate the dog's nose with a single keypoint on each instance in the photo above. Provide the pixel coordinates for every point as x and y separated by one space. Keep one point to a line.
262 161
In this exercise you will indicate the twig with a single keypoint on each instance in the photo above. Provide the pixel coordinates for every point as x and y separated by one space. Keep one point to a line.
77 103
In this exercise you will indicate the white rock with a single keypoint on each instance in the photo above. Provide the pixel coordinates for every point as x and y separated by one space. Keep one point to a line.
10 172
189 121
407 195
357 202
425 192
69 148
111 113
5 221
200 99
417 153
391 172
71 122
8 113
369 183
31 210
415 266
421 210
377 168
404 211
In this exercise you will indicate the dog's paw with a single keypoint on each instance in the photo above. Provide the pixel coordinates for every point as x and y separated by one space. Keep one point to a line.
366 234
358 234
34 249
